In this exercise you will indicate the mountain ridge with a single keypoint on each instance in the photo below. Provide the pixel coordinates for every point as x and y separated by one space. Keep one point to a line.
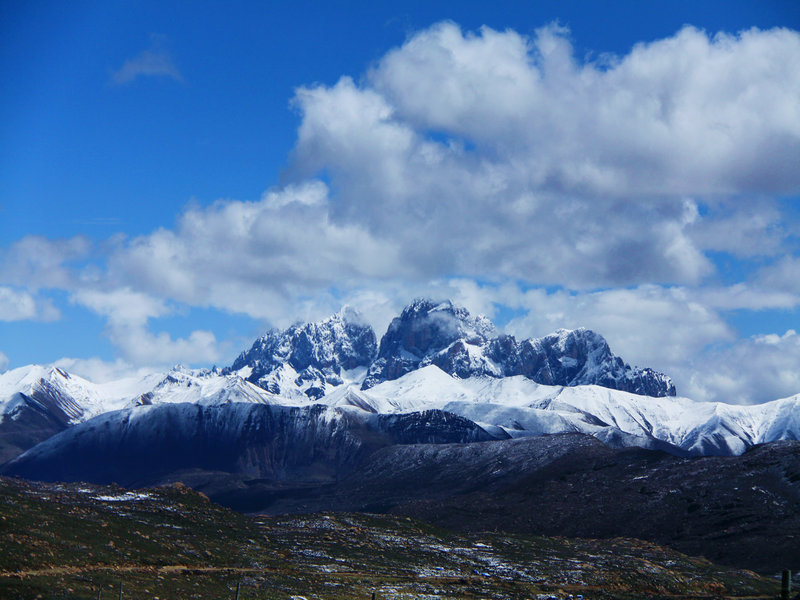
312 356
445 359
448 336
315 358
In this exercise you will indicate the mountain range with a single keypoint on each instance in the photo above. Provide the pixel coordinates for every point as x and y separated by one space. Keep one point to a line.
435 356
444 416
317 357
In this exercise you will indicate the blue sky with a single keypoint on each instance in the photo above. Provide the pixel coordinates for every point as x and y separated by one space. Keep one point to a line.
174 178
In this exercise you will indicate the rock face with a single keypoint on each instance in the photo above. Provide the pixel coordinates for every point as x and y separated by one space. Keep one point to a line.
447 336
310 357
313 358
429 332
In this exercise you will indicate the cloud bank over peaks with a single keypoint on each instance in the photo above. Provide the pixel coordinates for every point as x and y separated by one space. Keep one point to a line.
753 370
493 153
499 170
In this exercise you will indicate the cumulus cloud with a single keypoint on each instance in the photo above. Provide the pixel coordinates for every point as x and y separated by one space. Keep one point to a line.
36 262
783 275
19 305
128 313
753 370
495 154
156 61
484 166
257 257
689 114
747 296
754 228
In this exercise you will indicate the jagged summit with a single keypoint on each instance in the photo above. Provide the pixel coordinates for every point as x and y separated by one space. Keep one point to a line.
583 357
423 331
308 360
439 333
310 357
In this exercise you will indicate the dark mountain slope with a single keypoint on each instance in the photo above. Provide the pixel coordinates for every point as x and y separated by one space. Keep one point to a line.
149 444
743 511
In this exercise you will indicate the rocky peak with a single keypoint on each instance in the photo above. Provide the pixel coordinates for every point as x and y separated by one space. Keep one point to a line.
440 333
424 329
427 324
311 356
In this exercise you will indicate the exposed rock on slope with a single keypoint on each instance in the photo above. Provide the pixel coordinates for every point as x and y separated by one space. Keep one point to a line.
310 357
441 334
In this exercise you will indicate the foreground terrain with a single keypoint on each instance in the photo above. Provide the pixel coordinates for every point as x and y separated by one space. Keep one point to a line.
85 541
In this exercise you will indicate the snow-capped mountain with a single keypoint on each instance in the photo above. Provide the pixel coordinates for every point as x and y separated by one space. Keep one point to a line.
52 389
434 357
72 399
313 359
37 402
309 358
520 407
206 387
441 334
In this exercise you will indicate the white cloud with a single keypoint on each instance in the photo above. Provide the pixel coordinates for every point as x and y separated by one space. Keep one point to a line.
97 370
496 156
128 313
156 61
743 229
547 170
783 275
3 363
19 305
747 296
482 166
452 212
122 306
258 258
35 262
753 370
689 114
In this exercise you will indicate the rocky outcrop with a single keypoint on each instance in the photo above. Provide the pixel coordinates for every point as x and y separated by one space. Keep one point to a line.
462 345
310 357
429 332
